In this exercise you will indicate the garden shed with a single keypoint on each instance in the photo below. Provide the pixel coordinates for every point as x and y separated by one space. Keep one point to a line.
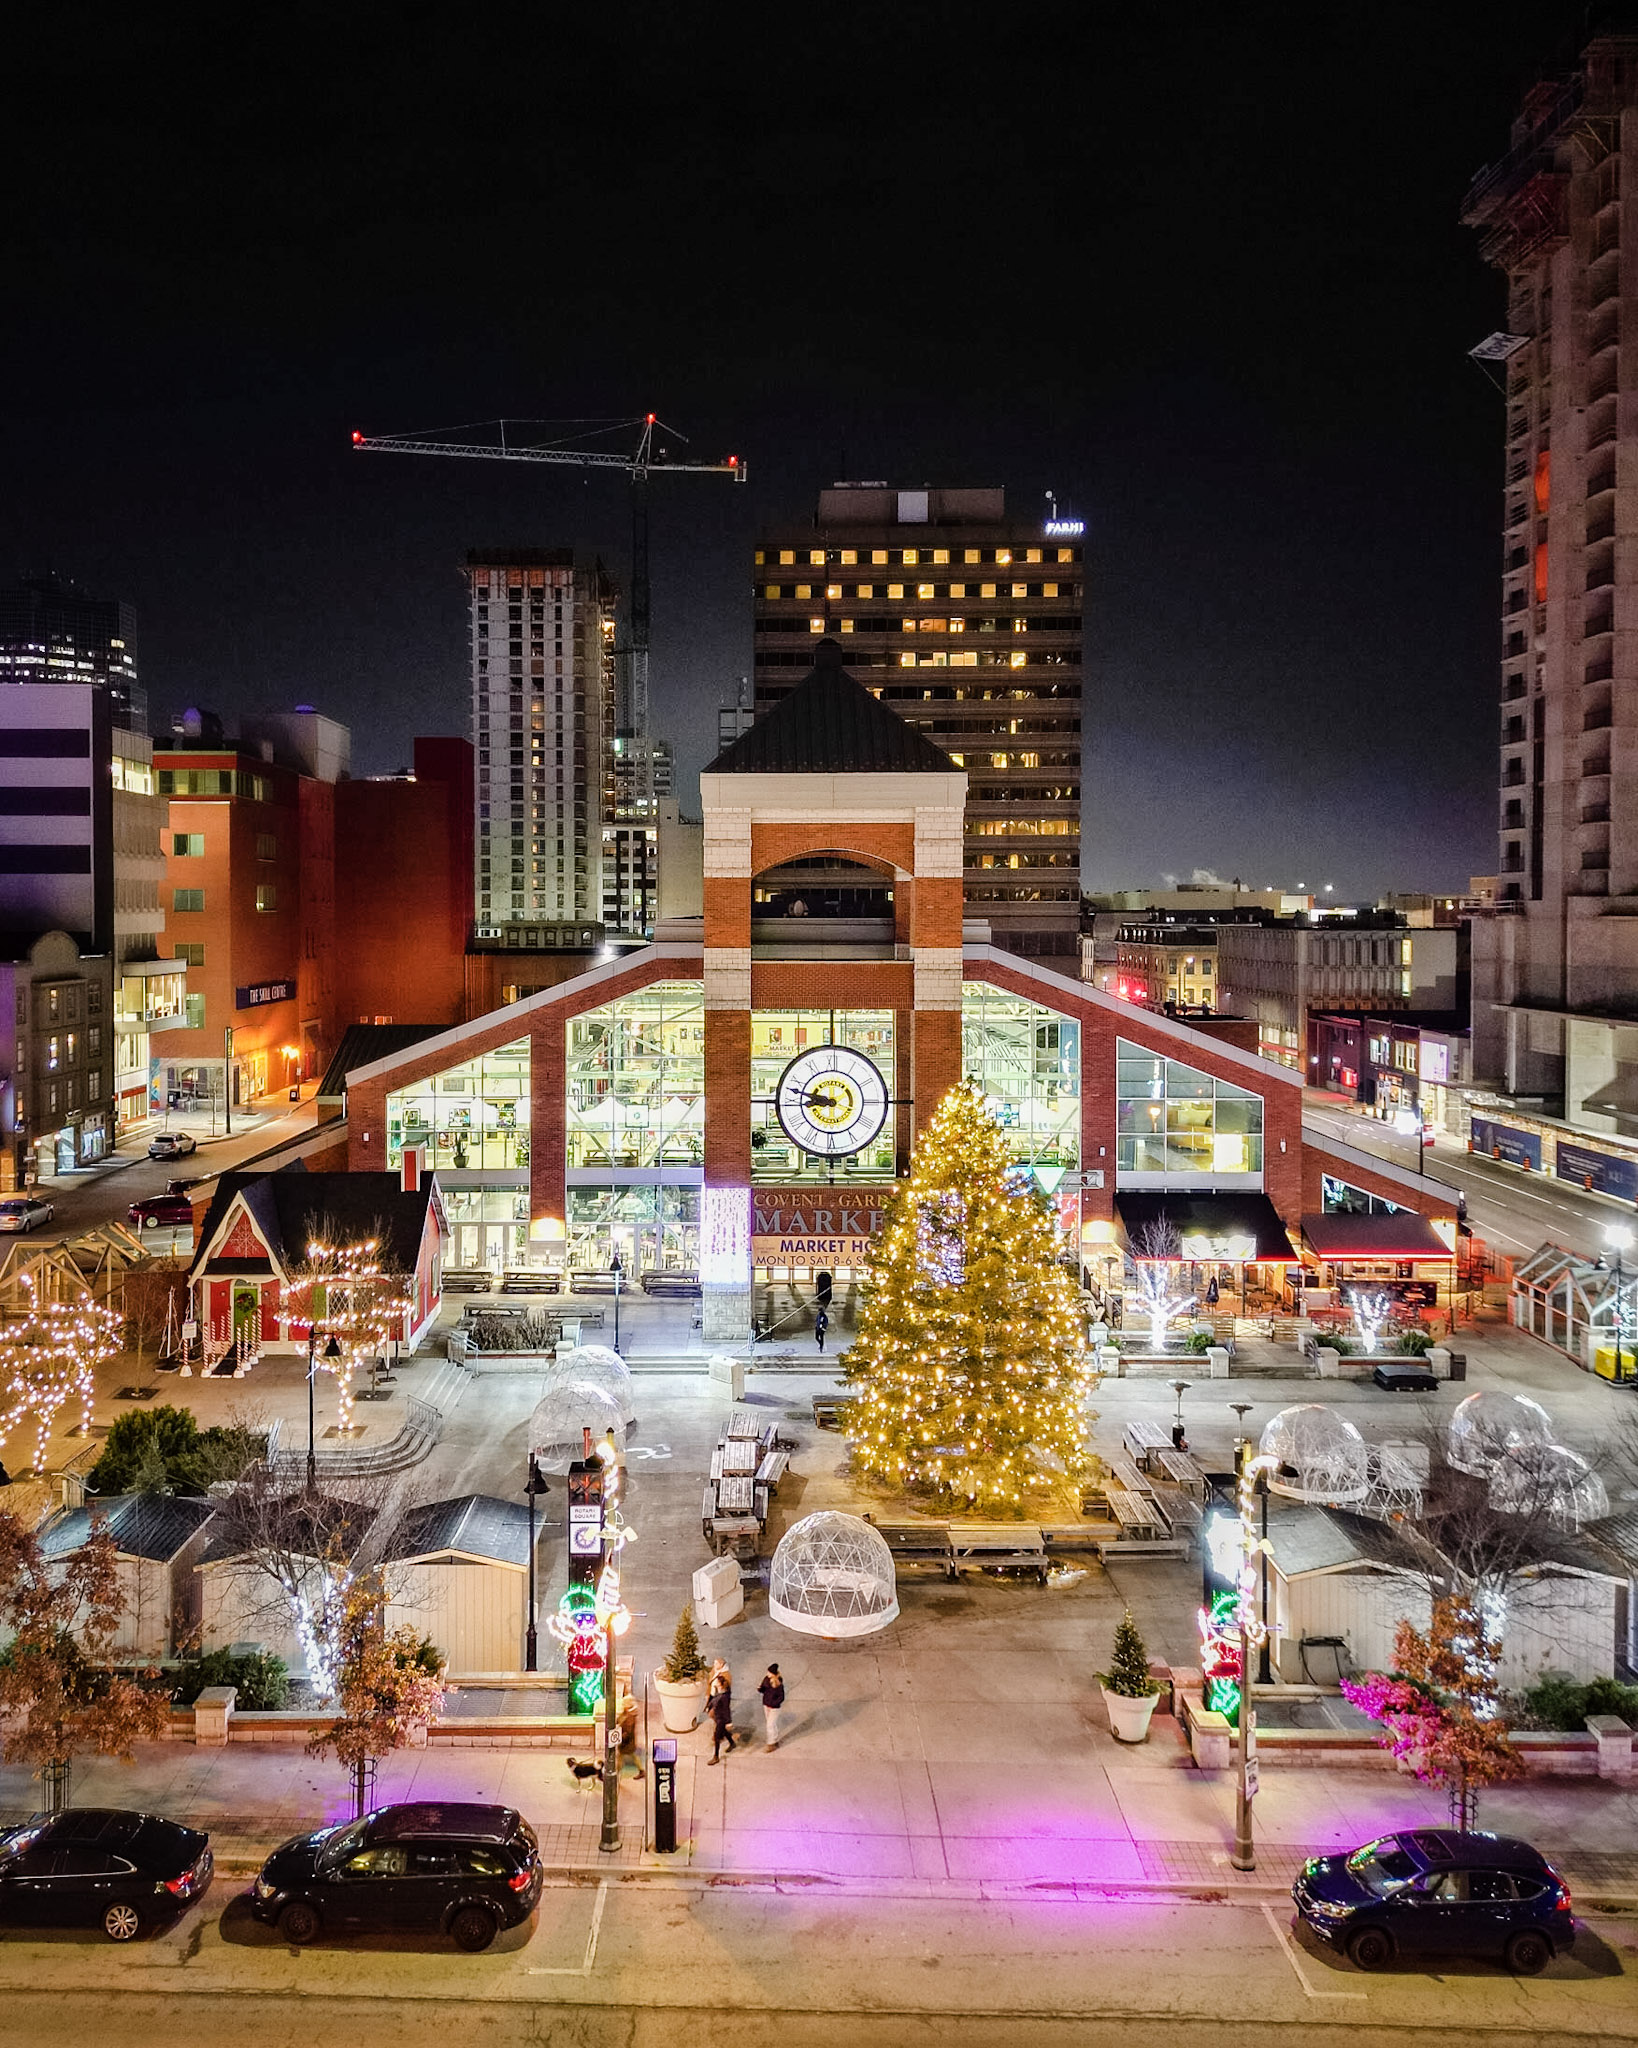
1336 1576
458 1571
158 1539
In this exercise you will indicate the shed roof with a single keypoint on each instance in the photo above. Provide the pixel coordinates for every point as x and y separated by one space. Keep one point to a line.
476 1524
154 1526
830 724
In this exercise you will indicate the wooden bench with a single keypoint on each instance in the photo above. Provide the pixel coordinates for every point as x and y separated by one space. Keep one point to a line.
1144 1439
918 1543
1183 1471
525 1280
1181 1510
1123 1469
736 1495
468 1279
772 1470
1135 1512
830 1411
998 1549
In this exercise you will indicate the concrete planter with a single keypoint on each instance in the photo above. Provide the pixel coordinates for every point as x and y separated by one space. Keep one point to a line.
1128 1718
681 1702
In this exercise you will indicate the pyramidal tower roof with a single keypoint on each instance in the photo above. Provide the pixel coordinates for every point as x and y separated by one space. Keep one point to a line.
830 724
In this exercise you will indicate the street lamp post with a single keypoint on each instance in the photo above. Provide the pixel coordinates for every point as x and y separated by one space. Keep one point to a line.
1619 1239
332 1351
618 1272
533 1485
227 1081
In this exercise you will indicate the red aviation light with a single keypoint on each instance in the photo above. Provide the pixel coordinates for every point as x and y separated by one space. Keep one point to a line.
358 438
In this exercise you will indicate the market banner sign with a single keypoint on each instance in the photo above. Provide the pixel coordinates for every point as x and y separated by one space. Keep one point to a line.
815 1226
1600 1172
260 992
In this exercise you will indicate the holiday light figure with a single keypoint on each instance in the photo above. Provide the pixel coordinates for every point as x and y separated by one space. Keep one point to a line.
577 1627
1220 1654
49 1357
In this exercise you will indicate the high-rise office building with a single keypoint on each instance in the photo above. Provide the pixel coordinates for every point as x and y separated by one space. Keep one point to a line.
542 630
969 625
52 633
644 777
1555 967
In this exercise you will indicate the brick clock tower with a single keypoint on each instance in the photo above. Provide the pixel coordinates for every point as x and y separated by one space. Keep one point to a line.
832 797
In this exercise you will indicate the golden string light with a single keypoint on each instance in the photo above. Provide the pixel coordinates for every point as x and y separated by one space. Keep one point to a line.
345 1293
50 1356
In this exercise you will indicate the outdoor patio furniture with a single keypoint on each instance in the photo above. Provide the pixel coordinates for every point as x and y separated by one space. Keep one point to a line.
1183 1471
468 1279
1135 1512
918 1543
735 1535
1142 1438
739 1456
736 1496
772 1469
998 1549
830 1410
746 1424
1122 1467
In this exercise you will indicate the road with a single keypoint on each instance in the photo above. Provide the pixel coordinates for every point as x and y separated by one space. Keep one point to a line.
1506 1206
645 1960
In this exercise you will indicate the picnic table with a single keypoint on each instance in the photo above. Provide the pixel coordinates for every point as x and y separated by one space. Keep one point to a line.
830 1411
736 1496
739 1456
1121 1466
1135 1512
1179 1466
1143 1439
747 1425
999 1549
918 1542
735 1535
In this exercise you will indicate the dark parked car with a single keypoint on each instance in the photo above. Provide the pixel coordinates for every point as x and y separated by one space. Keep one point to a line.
1432 1891
172 1145
464 1871
99 1866
161 1209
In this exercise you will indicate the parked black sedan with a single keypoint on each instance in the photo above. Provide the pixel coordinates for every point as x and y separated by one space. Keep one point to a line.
100 1866
462 1870
1436 1891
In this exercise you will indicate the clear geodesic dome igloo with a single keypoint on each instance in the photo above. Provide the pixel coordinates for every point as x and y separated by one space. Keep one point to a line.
596 1365
833 1575
1486 1426
563 1414
1322 1456
1550 1480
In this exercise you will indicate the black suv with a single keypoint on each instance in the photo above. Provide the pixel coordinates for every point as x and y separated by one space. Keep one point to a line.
99 1866
464 1871
1436 1891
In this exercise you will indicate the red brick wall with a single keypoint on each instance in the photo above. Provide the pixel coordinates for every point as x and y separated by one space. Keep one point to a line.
1318 1161
936 910
727 906
820 984
937 1061
727 1098
773 845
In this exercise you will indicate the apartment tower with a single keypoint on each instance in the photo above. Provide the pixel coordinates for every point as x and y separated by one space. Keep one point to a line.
543 725
51 632
969 625
1555 968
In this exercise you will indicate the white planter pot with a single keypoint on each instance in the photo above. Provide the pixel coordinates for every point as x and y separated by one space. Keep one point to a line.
1128 1718
681 1703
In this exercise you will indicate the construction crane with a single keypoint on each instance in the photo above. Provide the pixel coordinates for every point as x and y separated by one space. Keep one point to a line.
651 453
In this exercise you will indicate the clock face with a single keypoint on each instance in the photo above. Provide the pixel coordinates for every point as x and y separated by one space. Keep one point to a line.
831 1100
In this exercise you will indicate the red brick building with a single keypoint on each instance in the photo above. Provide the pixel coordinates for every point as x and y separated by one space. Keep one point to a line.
739 1097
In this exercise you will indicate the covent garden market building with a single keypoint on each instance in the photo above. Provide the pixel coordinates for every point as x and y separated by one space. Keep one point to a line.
736 1099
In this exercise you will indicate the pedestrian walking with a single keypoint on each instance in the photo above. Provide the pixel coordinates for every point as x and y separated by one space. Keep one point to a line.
821 1323
1212 1292
772 1690
720 1706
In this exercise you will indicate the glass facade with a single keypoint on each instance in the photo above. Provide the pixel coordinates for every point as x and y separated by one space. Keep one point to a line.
636 1080
777 1036
1027 1060
474 1116
488 1226
1172 1120
653 1228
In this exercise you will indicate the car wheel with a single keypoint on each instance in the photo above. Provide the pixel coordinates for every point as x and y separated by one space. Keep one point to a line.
122 1922
51 1213
150 1222
1371 1948
1529 1954
472 1929
299 1922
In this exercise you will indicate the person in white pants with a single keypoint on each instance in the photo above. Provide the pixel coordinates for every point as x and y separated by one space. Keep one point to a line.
772 1690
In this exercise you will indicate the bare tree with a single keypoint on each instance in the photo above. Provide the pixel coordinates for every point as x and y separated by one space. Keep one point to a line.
1156 1257
389 1682
347 1288
48 1360
154 1302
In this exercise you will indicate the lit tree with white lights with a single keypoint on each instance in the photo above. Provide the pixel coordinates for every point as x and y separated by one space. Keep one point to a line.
1156 1254
48 1359
345 1291
969 1361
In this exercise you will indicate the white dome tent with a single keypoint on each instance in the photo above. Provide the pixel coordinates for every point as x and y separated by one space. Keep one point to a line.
564 1412
595 1365
1486 1426
1322 1457
1551 1480
833 1575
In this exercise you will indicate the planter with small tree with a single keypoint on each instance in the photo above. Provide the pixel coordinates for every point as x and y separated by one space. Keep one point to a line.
1129 1693
681 1679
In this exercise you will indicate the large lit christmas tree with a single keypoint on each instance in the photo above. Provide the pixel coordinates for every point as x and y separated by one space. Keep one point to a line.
969 1361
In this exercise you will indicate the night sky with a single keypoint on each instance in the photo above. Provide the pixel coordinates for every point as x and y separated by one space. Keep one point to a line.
1197 270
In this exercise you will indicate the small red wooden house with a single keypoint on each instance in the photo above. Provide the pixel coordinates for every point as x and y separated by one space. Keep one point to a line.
257 1228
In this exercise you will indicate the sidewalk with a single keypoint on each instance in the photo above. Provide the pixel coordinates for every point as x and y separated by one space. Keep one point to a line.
839 1805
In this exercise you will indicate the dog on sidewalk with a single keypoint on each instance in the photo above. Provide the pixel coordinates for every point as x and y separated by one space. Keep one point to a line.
585 1774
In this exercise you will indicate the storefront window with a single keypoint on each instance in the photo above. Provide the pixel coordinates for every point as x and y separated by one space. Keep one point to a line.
636 1080
777 1036
488 1227
654 1229
1173 1119
1027 1060
473 1116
